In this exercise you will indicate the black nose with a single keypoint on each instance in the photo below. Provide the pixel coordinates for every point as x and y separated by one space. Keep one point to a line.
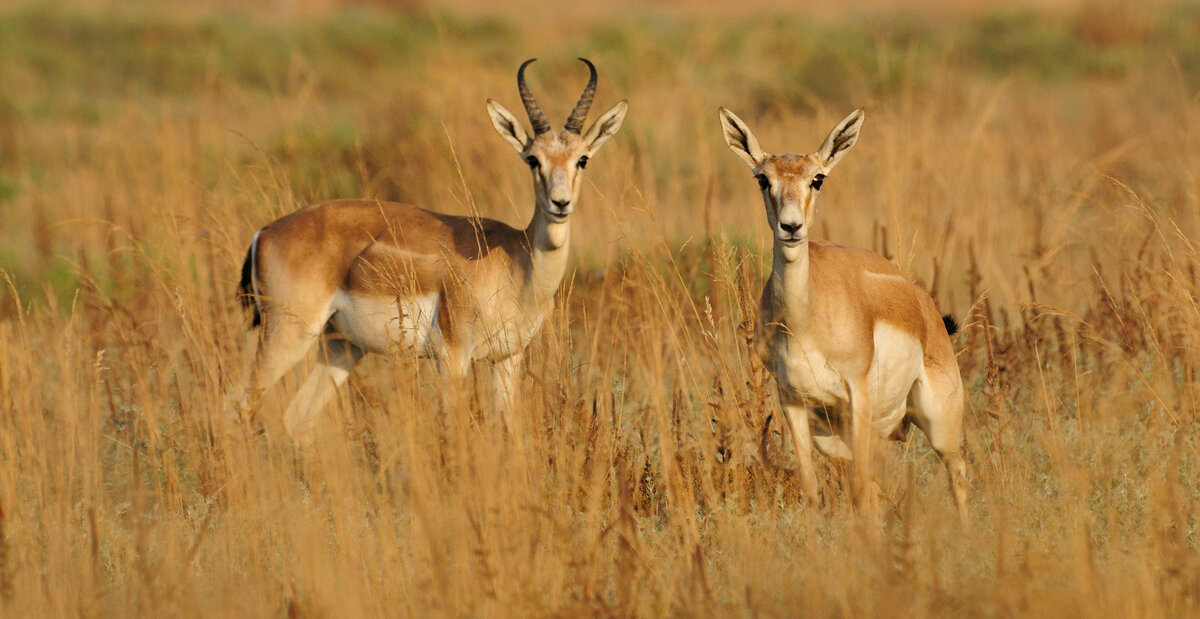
561 203
791 228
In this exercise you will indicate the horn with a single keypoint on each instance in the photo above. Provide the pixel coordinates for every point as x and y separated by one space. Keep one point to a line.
579 114
537 117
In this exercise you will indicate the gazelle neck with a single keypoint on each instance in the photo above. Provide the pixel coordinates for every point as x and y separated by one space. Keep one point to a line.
789 276
549 242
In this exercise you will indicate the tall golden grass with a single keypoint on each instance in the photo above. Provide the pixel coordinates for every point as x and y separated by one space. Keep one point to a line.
1036 170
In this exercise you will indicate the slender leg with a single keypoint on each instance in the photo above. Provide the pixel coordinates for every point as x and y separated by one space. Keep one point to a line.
338 358
937 409
454 369
833 447
830 442
861 435
504 387
238 400
956 468
283 342
797 418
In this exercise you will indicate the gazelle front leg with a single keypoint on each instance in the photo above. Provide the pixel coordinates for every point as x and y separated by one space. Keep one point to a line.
797 418
861 432
505 375
454 372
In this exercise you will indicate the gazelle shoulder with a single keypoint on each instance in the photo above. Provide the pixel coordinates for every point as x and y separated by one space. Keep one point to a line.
871 283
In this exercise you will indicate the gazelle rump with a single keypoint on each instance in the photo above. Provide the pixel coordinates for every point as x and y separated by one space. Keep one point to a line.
371 276
856 349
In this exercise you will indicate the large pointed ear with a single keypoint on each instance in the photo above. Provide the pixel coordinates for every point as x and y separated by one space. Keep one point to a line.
507 126
841 139
605 127
740 139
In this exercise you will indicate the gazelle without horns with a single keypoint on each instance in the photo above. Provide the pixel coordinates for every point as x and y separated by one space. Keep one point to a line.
369 276
856 349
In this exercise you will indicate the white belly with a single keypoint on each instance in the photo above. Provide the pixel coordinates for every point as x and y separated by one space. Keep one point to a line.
807 375
377 324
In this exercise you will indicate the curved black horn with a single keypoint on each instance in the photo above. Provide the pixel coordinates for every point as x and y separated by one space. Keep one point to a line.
537 117
579 114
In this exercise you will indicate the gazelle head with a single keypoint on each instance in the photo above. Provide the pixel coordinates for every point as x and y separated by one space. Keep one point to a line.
790 182
557 160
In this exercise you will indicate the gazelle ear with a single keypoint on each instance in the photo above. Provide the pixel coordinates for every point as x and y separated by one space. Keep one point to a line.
841 139
740 139
507 126
605 127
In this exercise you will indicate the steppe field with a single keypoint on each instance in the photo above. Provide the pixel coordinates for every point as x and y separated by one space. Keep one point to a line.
1034 165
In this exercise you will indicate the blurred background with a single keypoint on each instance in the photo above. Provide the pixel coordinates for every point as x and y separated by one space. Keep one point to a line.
992 123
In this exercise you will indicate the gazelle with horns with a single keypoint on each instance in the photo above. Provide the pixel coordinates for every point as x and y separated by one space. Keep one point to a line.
369 276
856 349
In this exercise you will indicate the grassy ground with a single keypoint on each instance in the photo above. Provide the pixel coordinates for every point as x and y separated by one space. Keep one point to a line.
1035 168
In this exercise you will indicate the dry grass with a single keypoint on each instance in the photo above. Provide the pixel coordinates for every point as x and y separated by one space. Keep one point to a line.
1037 170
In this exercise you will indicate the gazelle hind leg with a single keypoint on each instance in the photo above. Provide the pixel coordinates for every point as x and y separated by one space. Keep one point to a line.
283 341
937 408
334 364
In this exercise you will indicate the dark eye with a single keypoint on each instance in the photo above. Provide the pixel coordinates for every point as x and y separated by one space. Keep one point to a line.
816 182
582 162
533 162
763 182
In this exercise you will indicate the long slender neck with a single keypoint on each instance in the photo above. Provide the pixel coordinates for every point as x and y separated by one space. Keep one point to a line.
789 277
548 245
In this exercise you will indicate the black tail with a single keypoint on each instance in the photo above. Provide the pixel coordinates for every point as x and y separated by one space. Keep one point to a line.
246 288
948 320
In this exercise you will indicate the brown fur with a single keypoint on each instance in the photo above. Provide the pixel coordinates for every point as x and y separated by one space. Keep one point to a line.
792 164
369 276
822 328
384 250
850 298
348 242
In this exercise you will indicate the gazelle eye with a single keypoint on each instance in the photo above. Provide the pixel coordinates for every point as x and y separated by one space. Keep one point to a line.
533 162
763 182
582 162
816 182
